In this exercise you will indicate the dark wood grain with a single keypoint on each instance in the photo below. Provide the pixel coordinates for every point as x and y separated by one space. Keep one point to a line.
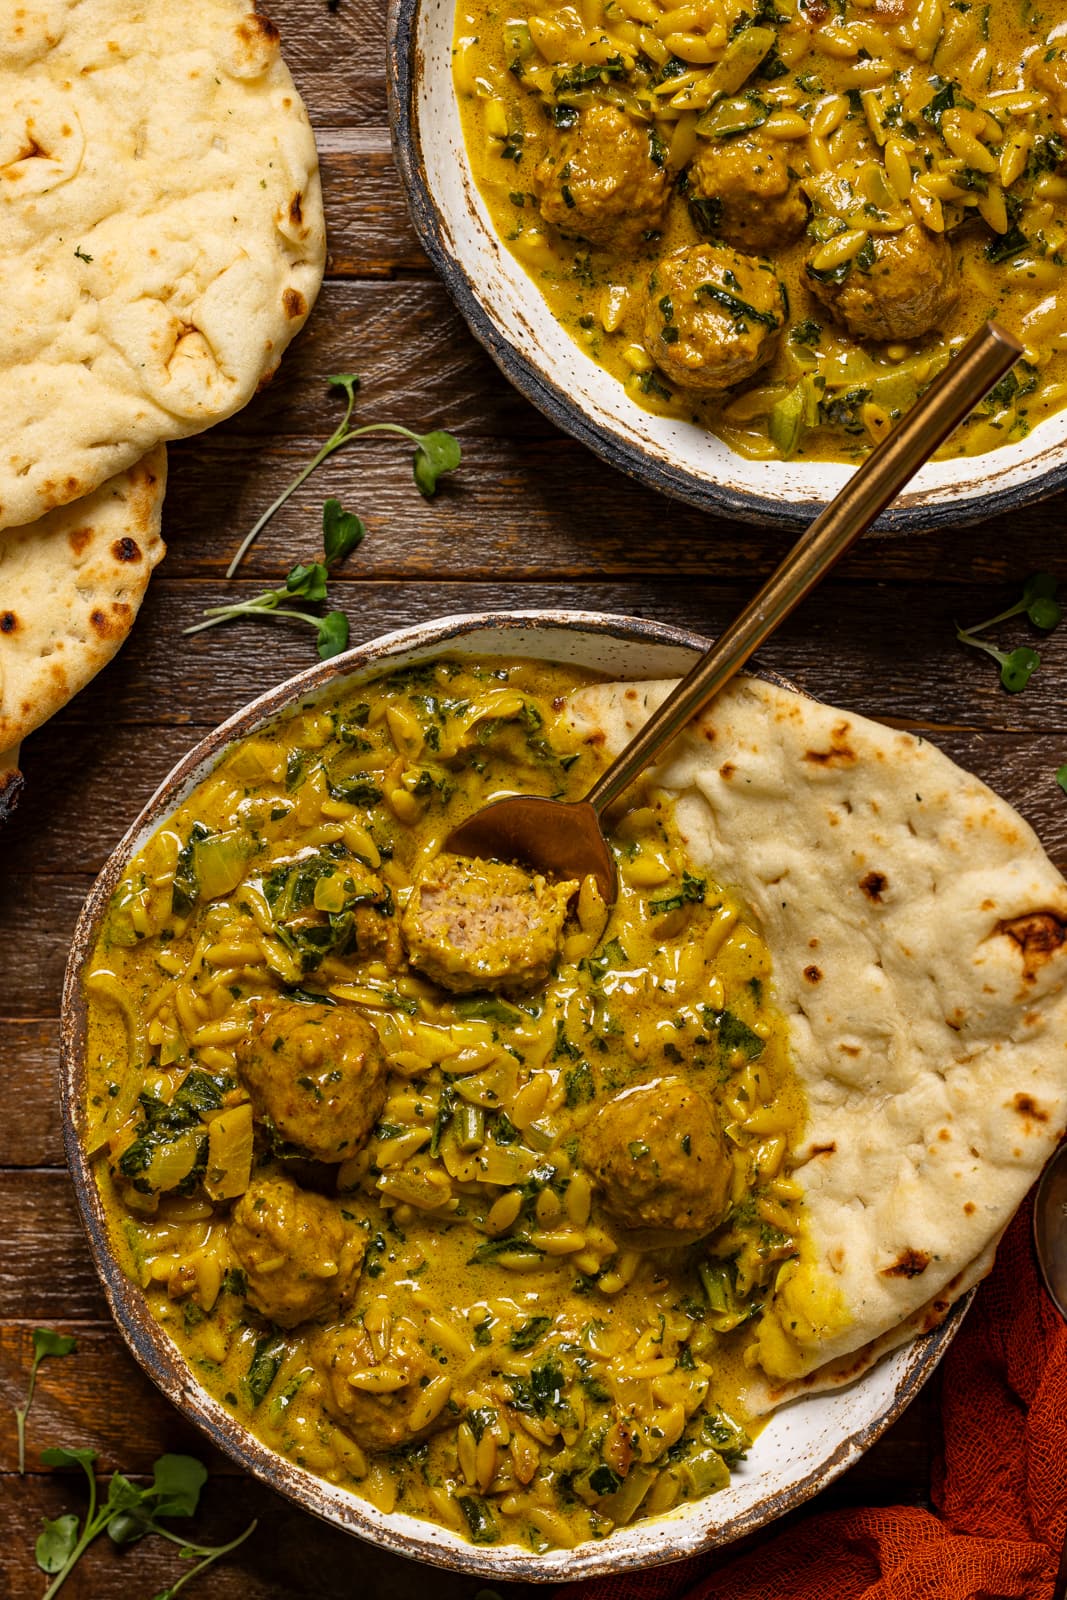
530 520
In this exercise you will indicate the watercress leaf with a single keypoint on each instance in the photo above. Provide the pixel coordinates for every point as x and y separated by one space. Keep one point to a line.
1045 613
46 1342
342 531
437 454
60 1456
1018 668
348 381
333 634
177 1482
307 581
1061 778
1039 586
55 1545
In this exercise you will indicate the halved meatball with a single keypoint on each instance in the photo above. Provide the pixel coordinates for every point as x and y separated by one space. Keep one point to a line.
382 1415
484 925
604 179
750 199
301 1256
1050 76
657 1153
318 1073
908 289
713 316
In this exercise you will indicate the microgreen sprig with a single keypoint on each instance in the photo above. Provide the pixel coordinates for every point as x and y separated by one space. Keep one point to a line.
1040 605
46 1342
436 454
1017 667
128 1513
1038 602
342 531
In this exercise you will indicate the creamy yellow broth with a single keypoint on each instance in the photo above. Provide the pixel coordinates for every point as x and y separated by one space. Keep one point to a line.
884 113
515 1366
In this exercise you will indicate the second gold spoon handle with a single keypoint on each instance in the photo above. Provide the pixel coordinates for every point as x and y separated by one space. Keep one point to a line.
985 358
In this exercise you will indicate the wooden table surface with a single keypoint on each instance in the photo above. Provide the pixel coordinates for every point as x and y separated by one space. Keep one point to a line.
531 520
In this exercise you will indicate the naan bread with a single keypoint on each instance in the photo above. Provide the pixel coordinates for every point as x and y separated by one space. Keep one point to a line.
161 231
70 587
919 939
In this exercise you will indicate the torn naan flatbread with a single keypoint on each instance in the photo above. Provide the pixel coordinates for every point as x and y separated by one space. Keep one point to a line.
161 231
919 939
70 587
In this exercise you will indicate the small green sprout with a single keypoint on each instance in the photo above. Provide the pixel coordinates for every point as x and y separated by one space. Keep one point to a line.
128 1513
45 1343
1061 778
1017 667
1040 605
342 531
1038 602
436 454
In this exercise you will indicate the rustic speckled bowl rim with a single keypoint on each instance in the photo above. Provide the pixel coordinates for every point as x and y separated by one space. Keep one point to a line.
911 514
666 1539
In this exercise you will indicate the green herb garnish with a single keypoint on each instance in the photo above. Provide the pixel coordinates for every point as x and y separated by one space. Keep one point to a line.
436 454
45 1343
128 1513
1040 605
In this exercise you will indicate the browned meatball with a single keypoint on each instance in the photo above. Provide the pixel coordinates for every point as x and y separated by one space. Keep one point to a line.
385 1414
318 1073
907 289
713 316
657 1152
1050 76
604 180
484 925
301 1256
745 192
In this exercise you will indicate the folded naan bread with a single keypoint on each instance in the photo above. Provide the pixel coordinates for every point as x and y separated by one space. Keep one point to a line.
161 231
919 939
70 587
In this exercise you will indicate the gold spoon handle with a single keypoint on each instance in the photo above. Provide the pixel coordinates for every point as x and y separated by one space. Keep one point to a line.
985 358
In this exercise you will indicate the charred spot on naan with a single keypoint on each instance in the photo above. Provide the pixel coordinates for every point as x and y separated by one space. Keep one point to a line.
909 1264
874 886
840 753
126 549
9 622
1039 935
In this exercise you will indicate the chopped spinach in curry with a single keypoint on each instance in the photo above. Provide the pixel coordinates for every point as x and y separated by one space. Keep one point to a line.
780 218
490 1257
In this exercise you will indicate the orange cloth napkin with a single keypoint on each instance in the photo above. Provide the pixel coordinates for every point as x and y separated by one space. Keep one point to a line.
1000 1490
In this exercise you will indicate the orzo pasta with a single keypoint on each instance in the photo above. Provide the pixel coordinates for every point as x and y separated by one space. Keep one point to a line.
491 1257
779 218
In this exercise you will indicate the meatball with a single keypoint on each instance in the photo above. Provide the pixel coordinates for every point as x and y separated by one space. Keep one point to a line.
382 1416
657 1151
745 191
301 1256
908 289
604 180
484 925
1050 77
713 316
319 1074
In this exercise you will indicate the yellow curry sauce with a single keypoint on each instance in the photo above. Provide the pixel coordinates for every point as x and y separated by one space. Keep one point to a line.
451 1283
896 166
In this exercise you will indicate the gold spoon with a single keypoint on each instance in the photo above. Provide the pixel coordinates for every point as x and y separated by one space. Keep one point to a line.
564 839
1050 1245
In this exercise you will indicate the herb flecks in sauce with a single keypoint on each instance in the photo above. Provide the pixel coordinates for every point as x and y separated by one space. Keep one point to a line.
902 168
395 1230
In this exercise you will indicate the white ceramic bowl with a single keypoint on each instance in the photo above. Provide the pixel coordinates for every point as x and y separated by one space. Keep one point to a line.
506 311
803 1448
